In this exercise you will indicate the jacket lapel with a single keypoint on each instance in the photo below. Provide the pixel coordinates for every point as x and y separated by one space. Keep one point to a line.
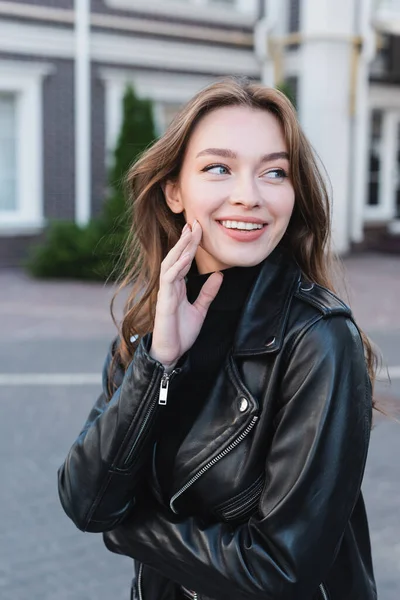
262 324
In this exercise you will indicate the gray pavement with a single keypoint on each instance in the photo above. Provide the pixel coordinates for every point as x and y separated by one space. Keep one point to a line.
64 328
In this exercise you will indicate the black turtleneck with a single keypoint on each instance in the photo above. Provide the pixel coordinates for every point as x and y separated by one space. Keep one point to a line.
205 359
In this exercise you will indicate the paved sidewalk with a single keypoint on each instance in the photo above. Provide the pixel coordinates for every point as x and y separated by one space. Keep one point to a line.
31 309
373 282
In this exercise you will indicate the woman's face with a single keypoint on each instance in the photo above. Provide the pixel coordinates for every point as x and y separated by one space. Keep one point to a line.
234 181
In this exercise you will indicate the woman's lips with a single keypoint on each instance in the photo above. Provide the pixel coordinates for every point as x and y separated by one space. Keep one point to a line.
242 235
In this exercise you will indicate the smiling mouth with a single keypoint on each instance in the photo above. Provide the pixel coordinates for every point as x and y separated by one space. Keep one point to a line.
242 225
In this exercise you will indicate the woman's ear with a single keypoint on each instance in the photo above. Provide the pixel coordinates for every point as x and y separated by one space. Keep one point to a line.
173 196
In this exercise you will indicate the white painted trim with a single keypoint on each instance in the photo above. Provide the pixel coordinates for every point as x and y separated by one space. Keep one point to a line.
113 48
29 11
25 80
82 97
21 228
136 24
244 14
165 54
165 28
17 70
158 86
39 40
171 87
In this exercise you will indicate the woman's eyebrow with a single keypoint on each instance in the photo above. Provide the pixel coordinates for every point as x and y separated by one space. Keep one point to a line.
274 156
226 153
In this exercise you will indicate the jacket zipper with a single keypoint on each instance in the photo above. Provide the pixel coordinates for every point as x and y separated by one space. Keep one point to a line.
162 398
139 582
323 592
212 462
236 511
164 386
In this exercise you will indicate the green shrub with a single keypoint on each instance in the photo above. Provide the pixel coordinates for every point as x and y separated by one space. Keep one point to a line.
68 252
93 251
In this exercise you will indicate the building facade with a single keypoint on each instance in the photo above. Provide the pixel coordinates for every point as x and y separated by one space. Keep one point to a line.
64 66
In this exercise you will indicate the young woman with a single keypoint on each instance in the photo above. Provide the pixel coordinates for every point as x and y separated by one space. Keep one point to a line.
227 450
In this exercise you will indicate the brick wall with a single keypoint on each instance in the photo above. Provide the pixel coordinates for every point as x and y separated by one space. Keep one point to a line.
13 249
59 153
98 143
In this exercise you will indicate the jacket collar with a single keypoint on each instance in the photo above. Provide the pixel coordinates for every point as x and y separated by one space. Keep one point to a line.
262 324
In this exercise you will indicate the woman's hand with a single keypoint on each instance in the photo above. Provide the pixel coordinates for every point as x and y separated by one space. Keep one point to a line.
177 322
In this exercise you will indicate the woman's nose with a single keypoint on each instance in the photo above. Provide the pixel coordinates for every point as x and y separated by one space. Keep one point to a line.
245 193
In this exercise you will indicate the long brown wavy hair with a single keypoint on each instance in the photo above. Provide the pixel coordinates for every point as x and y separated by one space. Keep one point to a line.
156 229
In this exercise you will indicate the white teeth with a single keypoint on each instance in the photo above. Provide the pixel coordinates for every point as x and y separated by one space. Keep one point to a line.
241 225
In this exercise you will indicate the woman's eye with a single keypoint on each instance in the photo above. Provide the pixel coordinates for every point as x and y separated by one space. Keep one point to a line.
278 174
216 169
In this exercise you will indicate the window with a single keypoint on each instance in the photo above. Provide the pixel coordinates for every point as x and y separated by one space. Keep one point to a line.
375 157
8 159
21 151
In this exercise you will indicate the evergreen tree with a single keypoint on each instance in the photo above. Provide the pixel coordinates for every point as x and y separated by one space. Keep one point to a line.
137 133
286 88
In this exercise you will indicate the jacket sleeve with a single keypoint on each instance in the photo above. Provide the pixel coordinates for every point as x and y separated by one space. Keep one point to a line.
314 470
101 475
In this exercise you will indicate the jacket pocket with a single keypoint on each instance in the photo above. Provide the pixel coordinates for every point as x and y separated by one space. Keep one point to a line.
241 506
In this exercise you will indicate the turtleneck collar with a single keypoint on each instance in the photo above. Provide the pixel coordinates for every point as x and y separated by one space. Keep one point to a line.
234 288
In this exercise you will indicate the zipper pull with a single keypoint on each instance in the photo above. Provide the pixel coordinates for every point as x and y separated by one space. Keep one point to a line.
162 399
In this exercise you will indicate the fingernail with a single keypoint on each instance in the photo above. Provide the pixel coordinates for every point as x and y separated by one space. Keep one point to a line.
194 223
185 229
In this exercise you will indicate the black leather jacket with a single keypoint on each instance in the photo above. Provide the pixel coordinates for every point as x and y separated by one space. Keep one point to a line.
274 461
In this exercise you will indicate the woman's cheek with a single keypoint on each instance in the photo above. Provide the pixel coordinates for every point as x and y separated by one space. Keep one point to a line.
281 204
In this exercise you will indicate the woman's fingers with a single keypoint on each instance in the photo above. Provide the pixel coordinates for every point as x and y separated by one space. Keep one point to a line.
178 260
208 292
179 269
177 250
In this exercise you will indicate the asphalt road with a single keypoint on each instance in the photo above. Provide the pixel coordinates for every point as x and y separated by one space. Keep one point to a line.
51 330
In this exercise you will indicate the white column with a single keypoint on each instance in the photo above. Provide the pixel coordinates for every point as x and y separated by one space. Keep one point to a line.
265 30
361 138
388 171
324 94
82 112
